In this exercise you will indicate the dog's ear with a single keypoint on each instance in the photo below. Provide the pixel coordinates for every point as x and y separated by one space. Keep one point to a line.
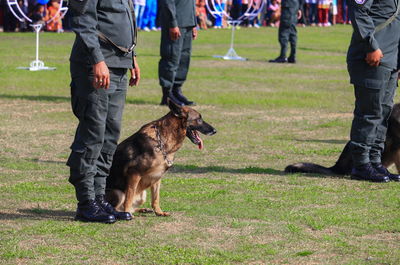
175 108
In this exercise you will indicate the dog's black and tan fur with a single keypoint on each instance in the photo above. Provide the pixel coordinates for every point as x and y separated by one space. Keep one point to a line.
141 160
390 156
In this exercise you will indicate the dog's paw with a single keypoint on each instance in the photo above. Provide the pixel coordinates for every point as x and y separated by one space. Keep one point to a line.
145 210
164 214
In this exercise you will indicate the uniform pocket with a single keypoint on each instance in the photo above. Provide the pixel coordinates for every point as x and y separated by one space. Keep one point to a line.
369 76
373 83
77 104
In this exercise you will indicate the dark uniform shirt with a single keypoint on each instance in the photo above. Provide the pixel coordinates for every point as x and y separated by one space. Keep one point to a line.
295 4
366 15
177 13
114 19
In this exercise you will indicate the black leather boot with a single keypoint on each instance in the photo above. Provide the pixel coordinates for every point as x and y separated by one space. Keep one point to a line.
91 211
279 60
383 170
167 93
108 208
369 173
164 96
292 56
177 92
292 59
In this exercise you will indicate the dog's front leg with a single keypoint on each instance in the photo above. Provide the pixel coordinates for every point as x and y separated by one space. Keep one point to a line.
396 158
131 191
155 199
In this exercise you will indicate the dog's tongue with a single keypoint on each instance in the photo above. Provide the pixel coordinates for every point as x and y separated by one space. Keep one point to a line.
200 145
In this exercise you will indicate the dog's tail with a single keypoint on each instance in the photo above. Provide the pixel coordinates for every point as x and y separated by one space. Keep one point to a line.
309 168
342 166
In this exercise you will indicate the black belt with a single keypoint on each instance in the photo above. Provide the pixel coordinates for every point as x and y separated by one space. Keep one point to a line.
104 38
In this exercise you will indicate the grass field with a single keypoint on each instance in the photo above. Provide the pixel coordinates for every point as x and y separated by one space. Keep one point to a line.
231 203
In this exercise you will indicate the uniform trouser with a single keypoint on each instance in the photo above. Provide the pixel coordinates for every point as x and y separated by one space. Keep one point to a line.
374 89
99 112
312 13
175 58
287 31
236 10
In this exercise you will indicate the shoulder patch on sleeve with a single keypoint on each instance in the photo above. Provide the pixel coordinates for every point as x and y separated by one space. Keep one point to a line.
360 2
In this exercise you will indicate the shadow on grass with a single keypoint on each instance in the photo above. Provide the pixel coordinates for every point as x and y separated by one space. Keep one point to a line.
47 161
58 99
158 56
39 214
319 176
36 98
246 170
196 169
333 141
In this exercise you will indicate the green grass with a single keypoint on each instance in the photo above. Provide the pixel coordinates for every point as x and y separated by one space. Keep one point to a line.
231 203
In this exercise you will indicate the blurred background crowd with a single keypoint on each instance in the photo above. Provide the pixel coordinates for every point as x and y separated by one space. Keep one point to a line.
323 13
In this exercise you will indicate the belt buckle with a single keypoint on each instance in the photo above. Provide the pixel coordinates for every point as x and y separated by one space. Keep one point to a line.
130 49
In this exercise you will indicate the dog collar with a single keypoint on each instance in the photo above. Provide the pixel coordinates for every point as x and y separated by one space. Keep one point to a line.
160 147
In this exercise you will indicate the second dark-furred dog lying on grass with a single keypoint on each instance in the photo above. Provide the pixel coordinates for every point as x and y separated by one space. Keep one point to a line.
141 160
344 164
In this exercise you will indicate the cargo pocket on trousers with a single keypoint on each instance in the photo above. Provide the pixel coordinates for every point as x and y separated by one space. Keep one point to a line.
74 159
77 104
373 83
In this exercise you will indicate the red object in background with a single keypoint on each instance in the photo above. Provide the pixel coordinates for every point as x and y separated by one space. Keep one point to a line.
1 16
339 17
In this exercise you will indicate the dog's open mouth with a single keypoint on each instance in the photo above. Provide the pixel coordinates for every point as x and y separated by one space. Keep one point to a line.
193 135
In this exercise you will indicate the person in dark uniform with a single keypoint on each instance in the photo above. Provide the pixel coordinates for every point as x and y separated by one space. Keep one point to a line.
290 13
101 56
178 28
372 61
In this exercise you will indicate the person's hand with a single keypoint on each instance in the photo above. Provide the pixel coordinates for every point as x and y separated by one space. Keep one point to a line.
135 74
299 14
194 33
374 58
101 75
174 33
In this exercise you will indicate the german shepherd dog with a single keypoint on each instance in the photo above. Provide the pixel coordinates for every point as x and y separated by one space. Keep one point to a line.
344 164
141 160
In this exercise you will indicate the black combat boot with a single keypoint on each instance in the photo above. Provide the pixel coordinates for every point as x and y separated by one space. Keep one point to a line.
279 59
292 56
108 208
369 173
167 93
292 59
91 211
177 92
164 96
383 170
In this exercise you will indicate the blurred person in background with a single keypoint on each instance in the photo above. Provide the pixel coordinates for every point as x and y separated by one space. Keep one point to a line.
290 13
140 6
178 29
53 13
149 16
